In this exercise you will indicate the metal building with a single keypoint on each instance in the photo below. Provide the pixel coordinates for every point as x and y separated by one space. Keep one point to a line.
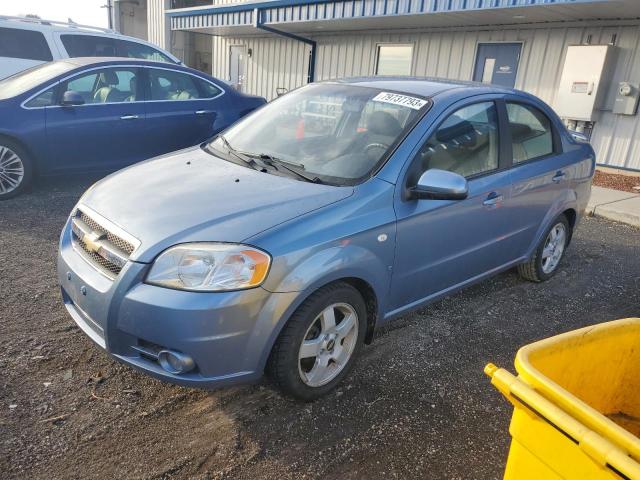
268 47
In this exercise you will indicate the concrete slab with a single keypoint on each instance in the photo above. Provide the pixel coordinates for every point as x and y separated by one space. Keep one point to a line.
602 196
625 211
615 205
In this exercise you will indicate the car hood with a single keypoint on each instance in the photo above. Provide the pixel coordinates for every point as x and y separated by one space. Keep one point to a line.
191 196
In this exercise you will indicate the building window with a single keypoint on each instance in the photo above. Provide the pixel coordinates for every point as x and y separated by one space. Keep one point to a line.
394 59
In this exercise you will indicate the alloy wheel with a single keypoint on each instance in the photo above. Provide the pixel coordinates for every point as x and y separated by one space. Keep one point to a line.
328 344
554 248
11 170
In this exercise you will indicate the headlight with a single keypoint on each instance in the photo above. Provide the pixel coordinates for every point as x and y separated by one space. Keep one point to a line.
210 267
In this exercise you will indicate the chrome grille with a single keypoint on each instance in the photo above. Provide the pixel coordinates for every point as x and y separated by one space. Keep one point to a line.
115 240
99 245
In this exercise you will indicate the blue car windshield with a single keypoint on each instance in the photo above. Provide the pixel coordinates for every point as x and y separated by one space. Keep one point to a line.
335 133
26 80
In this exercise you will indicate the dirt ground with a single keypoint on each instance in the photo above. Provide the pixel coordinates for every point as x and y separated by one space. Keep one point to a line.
625 182
417 405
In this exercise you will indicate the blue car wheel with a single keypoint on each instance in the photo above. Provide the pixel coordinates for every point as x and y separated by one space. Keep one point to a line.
15 169
320 343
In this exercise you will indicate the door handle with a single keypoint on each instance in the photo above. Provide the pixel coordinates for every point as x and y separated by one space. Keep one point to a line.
129 117
202 112
494 198
559 176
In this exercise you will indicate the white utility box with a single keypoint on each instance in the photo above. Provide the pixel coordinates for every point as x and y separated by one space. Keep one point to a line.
587 74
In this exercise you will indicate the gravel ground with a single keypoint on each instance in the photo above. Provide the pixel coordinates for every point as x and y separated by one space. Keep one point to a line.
417 405
624 182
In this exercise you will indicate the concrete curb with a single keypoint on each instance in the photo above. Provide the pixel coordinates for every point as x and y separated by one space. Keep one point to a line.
615 205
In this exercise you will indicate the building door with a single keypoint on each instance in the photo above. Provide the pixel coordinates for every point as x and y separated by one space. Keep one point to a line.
497 63
236 66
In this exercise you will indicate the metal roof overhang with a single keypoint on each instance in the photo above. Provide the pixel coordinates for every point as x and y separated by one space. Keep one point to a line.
296 16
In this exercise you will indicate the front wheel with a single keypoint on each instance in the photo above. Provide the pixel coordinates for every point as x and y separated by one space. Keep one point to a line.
319 344
549 252
15 169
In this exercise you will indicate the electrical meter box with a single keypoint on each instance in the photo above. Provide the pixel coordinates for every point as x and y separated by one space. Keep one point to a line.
585 78
627 99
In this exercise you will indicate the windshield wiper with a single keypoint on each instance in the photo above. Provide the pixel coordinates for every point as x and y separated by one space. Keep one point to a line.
245 158
278 163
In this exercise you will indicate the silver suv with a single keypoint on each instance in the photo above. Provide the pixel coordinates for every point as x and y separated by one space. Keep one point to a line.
27 42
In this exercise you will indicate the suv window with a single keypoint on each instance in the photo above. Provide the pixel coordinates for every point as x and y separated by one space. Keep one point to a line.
94 46
108 85
27 44
531 132
466 143
172 85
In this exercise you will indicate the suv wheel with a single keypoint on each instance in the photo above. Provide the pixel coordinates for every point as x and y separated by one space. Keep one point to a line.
549 252
319 344
15 169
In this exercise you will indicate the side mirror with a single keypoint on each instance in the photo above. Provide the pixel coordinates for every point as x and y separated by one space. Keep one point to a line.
71 98
438 184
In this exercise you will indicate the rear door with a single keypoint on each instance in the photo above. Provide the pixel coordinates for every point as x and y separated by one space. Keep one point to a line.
104 133
541 172
21 49
442 244
182 109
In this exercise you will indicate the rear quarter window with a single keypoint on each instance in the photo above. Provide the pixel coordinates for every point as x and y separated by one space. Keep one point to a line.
95 46
25 44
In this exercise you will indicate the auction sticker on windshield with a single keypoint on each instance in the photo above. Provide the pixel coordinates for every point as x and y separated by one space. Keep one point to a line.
402 100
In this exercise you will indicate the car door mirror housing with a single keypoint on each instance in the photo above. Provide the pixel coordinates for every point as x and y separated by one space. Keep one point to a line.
438 184
71 98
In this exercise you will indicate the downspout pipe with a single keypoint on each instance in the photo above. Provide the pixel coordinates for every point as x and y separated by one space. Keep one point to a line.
311 74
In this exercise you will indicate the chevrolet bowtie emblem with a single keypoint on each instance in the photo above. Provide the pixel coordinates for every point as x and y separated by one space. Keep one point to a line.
90 241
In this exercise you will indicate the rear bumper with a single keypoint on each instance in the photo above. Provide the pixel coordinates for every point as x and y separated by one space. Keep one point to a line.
227 334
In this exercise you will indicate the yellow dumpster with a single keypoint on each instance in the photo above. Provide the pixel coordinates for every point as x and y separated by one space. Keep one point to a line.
576 405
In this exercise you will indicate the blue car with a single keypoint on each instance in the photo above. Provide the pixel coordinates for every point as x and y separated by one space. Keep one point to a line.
89 114
286 241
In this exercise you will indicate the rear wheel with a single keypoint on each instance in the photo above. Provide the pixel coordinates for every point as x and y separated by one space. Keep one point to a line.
549 252
319 344
15 169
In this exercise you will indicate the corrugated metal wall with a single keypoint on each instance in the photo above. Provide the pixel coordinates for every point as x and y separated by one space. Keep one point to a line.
278 62
275 62
157 22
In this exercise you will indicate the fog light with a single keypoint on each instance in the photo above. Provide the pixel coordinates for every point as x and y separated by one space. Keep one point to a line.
175 362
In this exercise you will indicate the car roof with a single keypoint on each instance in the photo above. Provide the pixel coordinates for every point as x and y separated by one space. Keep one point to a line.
84 61
422 86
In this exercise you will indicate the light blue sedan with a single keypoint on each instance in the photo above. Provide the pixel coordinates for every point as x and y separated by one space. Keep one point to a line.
281 245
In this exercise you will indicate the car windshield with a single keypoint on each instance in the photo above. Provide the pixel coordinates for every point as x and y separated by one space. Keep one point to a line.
26 80
337 134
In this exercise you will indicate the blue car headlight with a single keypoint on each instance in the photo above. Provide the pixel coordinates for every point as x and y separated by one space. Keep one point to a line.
210 267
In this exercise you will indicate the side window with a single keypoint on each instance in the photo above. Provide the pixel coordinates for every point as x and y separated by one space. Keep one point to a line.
466 143
88 46
126 48
26 44
45 99
172 85
531 132
109 85
207 90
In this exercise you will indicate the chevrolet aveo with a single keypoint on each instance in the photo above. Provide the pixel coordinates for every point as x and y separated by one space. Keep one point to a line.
281 245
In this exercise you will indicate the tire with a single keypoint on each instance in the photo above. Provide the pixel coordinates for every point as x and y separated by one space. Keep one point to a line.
544 263
332 352
16 169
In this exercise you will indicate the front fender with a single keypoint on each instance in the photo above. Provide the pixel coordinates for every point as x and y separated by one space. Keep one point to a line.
319 269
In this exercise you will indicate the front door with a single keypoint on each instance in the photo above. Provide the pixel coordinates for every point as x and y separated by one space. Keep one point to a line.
236 66
497 63
105 132
443 244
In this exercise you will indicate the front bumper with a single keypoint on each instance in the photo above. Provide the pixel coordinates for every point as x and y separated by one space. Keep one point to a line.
228 334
